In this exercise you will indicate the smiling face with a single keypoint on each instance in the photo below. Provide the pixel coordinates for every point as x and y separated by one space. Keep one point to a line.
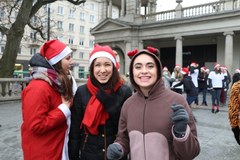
144 72
102 69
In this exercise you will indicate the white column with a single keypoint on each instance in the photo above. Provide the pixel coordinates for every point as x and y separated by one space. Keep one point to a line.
128 47
179 53
140 44
228 59
122 8
229 4
139 7
149 8
110 9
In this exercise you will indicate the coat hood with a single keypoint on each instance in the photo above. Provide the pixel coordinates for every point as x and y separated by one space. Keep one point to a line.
156 57
39 61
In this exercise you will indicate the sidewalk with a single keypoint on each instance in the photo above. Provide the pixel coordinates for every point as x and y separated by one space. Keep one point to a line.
214 133
10 121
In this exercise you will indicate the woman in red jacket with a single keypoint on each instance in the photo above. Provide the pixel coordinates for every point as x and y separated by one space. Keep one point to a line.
46 102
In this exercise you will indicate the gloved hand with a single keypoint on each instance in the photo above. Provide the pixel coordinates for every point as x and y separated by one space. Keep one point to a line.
114 151
180 120
236 134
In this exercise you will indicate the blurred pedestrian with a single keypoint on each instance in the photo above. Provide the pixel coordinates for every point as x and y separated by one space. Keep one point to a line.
236 76
194 72
234 107
176 77
166 78
202 84
155 123
216 84
46 103
96 107
188 86
227 81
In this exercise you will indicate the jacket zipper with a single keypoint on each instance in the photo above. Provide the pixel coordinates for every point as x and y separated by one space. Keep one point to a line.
144 129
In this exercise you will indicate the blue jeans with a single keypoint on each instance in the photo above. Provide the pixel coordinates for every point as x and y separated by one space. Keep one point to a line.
204 94
190 99
216 92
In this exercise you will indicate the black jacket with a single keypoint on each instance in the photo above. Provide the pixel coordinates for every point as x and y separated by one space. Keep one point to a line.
202 81
188 86
94 147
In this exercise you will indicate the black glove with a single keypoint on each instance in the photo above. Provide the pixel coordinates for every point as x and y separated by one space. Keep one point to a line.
180 120
236 134
109 100
114 151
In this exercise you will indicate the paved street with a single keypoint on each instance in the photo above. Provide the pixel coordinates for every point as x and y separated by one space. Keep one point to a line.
215 136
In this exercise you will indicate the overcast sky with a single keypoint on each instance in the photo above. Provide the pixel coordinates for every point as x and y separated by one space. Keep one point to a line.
163 5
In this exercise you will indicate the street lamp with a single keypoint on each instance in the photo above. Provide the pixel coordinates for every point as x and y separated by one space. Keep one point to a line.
48 29
179 1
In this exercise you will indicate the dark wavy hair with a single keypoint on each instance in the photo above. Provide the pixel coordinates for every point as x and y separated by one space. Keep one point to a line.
235 77
112 81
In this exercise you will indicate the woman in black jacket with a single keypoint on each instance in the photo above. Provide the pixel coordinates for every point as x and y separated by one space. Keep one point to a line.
96 108
189 87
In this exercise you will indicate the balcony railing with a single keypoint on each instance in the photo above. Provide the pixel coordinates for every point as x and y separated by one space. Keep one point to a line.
11 88
193 11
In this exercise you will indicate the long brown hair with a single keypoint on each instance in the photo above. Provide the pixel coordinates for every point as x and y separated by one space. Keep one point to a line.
66 82
112 81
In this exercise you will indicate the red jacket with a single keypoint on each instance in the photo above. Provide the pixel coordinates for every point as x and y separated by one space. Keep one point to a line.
44 124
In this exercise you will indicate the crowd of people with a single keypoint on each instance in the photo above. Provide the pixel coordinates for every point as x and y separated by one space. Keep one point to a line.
108 119
214 82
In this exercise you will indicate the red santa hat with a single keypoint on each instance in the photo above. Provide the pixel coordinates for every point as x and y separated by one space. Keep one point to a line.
207 70
102 51
194 64
237 70
204 68
118 66
216 65
184 70
165 69
224 67
54 51
177 66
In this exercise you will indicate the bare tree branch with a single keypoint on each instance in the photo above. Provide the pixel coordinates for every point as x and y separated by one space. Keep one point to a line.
3 30
39 30
76 2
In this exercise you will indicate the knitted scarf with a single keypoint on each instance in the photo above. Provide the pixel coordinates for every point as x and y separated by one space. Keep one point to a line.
48 75
95 114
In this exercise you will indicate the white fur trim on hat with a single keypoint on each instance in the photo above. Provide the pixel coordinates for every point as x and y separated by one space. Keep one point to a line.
102 54
60 56
216 65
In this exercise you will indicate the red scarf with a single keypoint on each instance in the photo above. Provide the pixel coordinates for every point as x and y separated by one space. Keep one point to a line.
95 114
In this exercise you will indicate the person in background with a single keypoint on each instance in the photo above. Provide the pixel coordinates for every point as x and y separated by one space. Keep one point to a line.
176 77
194 72
188 85
155 123
216 84
96 107
202 84
208 88
234 106
167 78
227 81
236 76
46 103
